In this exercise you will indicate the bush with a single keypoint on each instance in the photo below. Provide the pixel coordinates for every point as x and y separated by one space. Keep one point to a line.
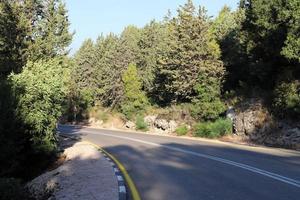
11 189
287 99
40 92
214 129
182 130
140 124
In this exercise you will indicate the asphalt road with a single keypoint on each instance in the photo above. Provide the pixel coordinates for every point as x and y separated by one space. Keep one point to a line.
171 168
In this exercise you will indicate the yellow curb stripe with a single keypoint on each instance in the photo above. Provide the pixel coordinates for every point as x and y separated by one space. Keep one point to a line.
133 190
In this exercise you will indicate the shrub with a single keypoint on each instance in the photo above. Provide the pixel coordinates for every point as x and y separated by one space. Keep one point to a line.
287 99
11 189
40 92
140 123
214 129
182 130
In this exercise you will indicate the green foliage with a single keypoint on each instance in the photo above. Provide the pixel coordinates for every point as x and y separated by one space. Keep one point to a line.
214 129
192 51
208 105
11 189
287 99
140 124
135 99
12 37
50 32
182 130
40 90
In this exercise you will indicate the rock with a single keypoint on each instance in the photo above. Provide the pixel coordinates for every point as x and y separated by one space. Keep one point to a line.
230 113
98 123
294 132
172 126
150 120
92 120
161 124
130 125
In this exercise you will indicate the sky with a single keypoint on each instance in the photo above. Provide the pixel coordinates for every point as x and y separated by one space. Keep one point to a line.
90 18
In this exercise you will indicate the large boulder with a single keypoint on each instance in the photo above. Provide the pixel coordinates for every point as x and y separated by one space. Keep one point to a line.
252 119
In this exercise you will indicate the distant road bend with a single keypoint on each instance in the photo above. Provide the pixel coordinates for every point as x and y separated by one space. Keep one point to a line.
169 168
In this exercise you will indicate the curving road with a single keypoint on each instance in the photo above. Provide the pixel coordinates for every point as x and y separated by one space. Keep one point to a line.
170 168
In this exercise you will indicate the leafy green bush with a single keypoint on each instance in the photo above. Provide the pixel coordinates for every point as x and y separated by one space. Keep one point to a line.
287 99
182 130
214 129
11 189
207 105
140 123
40 91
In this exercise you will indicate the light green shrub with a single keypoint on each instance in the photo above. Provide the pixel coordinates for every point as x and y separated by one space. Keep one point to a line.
214 129
140 123
182 130
40 92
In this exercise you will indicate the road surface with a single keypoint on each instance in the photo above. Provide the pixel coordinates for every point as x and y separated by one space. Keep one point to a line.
170 168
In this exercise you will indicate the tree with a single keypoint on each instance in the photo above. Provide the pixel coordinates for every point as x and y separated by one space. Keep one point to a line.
135 99
226 28
271 31
40 91
192 51
152 46
50 33
84 71
12 38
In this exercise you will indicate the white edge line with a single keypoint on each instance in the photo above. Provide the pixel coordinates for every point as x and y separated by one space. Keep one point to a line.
275 176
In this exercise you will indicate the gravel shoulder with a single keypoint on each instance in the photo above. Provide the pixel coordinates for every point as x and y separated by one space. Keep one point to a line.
85 174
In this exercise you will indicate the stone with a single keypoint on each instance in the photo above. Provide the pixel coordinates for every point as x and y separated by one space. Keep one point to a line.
172 126
161 124
130 125
150 120
230 113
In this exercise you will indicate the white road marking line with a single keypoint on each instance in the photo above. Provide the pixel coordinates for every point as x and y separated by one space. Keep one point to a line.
122 189
116 170
272 175
120 178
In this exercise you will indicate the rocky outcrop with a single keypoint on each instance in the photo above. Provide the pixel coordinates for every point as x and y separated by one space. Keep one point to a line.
253 121
156 124
130 125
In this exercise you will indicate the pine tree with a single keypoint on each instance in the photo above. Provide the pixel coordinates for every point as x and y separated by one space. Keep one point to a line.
135 99
191 52
51 35
152 46
84 71
12 38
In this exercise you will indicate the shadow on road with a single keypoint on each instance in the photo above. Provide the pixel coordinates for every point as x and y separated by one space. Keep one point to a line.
163 173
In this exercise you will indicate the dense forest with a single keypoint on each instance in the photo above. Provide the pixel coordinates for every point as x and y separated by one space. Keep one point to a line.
190 62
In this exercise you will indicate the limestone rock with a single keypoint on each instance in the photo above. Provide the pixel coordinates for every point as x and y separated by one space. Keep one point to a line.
150 120
130 125
161 124
172 126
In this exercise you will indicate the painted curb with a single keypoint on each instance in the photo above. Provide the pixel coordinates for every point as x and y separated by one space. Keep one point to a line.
121 174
